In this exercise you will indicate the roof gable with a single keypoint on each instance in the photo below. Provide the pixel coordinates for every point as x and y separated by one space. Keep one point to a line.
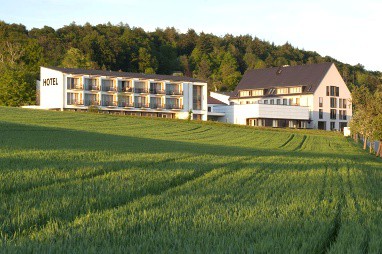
302 75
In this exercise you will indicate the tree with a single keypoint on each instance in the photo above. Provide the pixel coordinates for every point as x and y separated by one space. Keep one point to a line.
147 63
229 74
74 58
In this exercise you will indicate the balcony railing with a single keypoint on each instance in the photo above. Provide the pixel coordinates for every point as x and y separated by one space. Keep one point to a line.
125 104
78 102
141 90
91 103
141 105
76 87
174 106
109 89
157 105
174 92
157 91
126 89
93 88
109 103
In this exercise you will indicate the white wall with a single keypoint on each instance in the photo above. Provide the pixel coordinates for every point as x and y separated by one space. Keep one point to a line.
51 88
332 78
238 114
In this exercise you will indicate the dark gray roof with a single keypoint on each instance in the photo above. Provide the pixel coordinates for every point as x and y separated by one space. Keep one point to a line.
125 74
301 75
212 100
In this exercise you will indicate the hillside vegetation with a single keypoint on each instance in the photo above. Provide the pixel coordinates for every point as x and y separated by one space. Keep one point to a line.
219 60
82 182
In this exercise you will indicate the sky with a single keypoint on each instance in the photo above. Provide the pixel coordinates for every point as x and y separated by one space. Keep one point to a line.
349 31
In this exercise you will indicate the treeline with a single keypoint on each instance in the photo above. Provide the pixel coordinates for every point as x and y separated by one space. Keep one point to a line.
219 60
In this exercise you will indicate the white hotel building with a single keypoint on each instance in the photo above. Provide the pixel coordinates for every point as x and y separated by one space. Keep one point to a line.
121 92
307 96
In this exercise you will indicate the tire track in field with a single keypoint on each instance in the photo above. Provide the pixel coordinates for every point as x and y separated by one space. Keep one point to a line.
174 183
186 130
299 147
337 221
366 239
289 140
96 173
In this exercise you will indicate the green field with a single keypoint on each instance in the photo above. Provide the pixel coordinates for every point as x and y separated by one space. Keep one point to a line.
82 182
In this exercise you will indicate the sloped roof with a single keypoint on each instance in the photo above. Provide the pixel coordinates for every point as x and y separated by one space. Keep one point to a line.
125 74
301 75
211 100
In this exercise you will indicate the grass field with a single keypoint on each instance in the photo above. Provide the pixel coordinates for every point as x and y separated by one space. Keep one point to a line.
81 182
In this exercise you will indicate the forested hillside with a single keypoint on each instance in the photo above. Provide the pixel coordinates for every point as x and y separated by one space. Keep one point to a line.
219 60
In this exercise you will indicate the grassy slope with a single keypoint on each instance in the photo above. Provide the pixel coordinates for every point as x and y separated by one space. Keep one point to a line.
87 182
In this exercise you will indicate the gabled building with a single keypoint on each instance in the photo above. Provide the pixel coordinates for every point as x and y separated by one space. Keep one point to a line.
306 96
122 92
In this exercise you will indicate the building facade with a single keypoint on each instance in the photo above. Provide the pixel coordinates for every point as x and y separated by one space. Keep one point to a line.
307 96
121 92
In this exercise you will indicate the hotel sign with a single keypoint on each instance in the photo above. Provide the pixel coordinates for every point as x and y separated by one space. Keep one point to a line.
49 82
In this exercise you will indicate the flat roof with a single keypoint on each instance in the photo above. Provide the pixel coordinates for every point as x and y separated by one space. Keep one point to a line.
125 74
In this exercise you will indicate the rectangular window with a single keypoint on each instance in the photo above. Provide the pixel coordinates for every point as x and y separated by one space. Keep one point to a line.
285 101
272 101
295 90
340 103
333 114
333 102
337 91
73 83
298 101
290 101
344 115
265 101
327 91
197 97
282 90
320 113
340 114
244 93
278 101
344 103
332 126
320 102
257 92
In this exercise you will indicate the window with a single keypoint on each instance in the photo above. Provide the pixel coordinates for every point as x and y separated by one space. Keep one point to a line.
209 109
344 103
295 90
73 83
337 91
332 126
291 101
333 102
320 102
298 101
327 91
334 91
285 101
197 97
282 90
278 101
257 92
265 101
340 103
333 114
272 101
247 102
320 113
245 93
344 115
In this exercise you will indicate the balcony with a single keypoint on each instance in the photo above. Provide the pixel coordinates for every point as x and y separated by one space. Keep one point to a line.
93 88
109 89
174 92
174 106
141 90
91 103
109 103
141 105
157 105
157 91
125 104
75 87
126 90
78 103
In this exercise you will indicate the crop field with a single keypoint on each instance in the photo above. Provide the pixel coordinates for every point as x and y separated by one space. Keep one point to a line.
82 182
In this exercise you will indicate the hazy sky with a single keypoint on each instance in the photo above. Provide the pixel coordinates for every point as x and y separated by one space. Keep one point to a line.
349 31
